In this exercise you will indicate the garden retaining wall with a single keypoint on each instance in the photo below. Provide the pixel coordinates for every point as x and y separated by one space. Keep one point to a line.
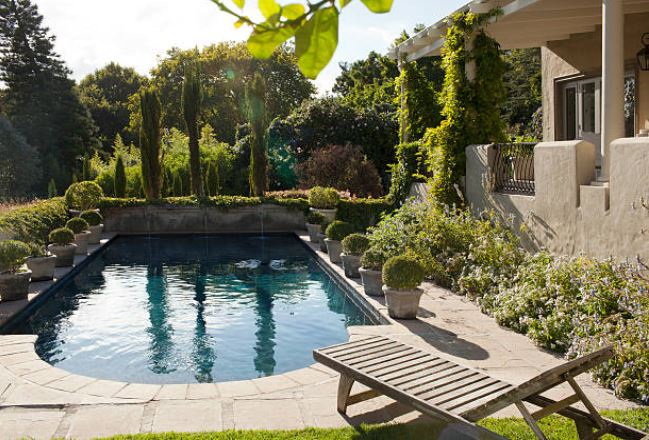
204 220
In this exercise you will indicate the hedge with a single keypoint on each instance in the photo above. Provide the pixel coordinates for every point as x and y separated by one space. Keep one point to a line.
362 213
34 222
222 202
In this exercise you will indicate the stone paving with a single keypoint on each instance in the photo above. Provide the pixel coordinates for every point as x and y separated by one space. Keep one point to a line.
41 401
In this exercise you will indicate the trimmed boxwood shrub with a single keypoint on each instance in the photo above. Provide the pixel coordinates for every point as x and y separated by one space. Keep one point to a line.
92 217
77 225
323 198
338 230
83 195
362 213
403 272
34 222
314 218
61 236
373 259
222 202
13 254
355 244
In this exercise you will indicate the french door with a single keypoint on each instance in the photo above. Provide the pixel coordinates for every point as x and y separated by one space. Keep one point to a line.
583 111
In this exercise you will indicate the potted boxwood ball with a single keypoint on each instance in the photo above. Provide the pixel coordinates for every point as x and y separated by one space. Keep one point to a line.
336 232
324 201
14 280
61 245
41 262
313 222
83 196
354 246
81 234
371 267
402 276
322 236
94 219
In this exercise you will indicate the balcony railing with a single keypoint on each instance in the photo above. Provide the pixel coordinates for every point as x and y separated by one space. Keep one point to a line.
513 170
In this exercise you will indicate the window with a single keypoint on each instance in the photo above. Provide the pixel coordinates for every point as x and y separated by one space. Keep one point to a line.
588 110
571 113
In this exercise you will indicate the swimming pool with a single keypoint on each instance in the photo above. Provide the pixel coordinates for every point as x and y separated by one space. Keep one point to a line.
191 309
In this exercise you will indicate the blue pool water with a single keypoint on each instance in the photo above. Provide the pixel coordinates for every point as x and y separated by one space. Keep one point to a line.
185 309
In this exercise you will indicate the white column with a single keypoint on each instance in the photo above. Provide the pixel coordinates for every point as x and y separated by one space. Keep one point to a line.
612 77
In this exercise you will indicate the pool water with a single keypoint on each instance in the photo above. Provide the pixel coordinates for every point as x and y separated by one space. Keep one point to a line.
187 309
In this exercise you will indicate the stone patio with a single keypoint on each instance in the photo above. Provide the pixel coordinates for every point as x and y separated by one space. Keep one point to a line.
41 401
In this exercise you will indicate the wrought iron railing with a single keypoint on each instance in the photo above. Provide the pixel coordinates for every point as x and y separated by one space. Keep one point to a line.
513 169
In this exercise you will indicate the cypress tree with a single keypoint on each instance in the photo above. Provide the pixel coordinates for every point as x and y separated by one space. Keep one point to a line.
85 169
213 178
150 144
191 104
51 189
120 178
178 184
39 99
256 99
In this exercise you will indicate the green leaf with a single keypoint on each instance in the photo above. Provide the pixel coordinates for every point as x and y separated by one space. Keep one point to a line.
239 3
293 11
263 41
378 6
316 41
269 8
344 3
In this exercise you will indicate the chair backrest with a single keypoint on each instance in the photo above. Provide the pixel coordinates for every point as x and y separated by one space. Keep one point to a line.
543 382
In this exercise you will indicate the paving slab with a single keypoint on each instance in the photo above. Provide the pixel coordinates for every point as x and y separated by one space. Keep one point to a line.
102 388
274 383
238 388
172 392
267 414
138 391
34 424
104 420
202 391
193 416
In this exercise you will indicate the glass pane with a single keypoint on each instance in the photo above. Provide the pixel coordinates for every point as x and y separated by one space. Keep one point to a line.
588 107
629 106
571 113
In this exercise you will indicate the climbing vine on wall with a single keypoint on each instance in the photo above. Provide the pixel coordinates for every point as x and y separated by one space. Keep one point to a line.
471 108
418 104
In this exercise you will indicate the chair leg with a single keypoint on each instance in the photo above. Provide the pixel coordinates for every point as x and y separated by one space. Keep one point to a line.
584 430
530 420
344 389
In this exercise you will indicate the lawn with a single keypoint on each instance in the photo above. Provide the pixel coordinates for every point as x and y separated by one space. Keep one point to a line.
555 427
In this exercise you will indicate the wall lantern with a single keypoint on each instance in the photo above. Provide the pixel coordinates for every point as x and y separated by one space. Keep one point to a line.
643 55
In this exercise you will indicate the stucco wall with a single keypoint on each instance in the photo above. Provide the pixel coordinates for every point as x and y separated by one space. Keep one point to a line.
567 215
202 220
582 55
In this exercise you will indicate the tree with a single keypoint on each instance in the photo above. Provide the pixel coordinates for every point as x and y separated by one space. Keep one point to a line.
522 79
51 189
19 162
39 99
226 68
106 93
150 144
212 179
313 25
191 104
120 178
256 98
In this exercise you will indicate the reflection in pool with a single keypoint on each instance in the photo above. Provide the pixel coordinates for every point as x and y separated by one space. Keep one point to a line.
183 309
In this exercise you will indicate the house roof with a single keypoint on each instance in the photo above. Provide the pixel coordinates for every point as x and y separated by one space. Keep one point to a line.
523 24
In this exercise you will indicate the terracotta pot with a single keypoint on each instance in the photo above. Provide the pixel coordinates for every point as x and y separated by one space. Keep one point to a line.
14 286
372 282
334 249
323 245
95 234
314 230
351 264
64 254
402 304
328 214
42 267
81 240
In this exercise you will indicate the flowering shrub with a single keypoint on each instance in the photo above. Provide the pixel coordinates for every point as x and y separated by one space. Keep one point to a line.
571 305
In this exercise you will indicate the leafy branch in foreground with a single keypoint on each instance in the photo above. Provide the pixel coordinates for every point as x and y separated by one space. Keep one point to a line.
313 25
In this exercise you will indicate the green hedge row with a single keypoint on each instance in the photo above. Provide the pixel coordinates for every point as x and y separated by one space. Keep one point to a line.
362 213
223 202
34 222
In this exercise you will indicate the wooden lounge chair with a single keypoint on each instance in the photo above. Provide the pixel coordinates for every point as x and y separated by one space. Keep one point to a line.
446 390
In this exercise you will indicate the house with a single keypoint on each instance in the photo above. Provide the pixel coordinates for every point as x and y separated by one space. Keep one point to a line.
587 186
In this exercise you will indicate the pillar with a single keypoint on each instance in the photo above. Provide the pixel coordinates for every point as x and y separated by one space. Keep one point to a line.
612 78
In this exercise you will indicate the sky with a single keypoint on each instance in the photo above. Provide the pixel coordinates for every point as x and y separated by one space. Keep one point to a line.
92 33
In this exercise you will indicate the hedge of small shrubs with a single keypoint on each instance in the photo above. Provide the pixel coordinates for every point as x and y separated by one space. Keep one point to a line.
34 222
570 305
224 202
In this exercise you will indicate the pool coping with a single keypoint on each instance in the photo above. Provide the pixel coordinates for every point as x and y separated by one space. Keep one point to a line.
18 355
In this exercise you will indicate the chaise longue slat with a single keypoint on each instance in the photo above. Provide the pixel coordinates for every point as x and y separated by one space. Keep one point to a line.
458 394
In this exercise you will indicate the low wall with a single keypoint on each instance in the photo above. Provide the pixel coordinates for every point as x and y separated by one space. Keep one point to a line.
204 220
569 215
